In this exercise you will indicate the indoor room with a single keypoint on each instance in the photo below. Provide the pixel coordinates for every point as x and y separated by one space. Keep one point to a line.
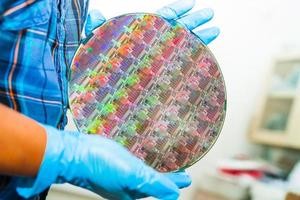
256 155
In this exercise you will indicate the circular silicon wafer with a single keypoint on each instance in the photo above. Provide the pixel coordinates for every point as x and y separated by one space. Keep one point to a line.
152 86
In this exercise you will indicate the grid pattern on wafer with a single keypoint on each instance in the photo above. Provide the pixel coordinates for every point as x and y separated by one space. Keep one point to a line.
150 85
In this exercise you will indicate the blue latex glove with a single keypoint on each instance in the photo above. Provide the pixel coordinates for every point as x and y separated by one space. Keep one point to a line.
175 11
99 165
94 19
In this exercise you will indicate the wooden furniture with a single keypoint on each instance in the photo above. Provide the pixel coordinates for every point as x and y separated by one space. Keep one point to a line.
292 196
277 119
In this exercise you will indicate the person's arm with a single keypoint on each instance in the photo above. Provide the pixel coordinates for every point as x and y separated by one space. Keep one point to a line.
22 142
49 155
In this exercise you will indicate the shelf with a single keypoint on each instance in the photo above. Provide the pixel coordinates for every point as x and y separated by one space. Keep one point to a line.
276 121
282 94
273 138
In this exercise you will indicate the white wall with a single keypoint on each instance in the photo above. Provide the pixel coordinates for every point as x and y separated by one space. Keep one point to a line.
252 33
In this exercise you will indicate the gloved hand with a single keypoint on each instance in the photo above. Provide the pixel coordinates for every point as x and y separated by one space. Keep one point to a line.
99 165
175 11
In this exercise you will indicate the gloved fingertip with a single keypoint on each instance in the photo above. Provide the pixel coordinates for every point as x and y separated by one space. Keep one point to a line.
176 9
181 179
94 19
172 195
215 30
208 12
96 14
208 35
195 19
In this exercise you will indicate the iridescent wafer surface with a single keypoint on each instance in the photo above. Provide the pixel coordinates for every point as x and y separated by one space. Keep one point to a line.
150 85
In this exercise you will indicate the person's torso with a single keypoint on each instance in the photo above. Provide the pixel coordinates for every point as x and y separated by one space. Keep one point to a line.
37 42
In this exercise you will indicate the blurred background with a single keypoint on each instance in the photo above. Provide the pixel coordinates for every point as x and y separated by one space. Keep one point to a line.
259 53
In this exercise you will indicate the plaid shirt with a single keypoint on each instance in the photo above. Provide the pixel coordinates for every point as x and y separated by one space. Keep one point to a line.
38 39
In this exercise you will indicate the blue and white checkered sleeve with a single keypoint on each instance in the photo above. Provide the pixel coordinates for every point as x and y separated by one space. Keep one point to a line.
21 14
